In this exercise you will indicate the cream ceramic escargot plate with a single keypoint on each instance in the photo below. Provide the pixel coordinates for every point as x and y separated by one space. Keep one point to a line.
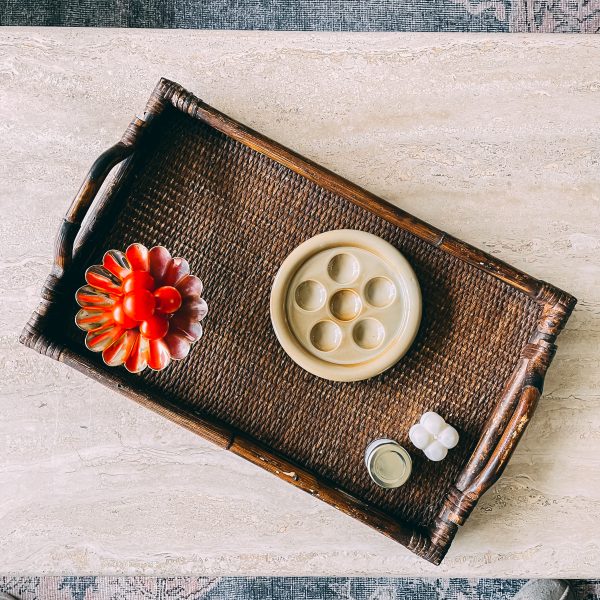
345 305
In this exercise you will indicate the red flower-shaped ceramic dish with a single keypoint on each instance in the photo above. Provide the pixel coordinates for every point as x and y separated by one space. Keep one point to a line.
141 308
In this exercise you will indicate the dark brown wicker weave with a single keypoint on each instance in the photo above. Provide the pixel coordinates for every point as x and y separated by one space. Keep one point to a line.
235 204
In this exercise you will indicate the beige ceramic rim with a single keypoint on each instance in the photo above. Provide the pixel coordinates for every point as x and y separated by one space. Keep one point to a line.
411 303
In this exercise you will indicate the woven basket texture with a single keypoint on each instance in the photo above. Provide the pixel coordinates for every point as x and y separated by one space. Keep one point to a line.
236 214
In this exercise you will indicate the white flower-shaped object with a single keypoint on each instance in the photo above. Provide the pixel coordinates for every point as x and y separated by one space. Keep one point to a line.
434 436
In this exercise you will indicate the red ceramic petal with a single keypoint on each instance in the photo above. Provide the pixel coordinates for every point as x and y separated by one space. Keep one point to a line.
100 339
194 308
160 356
178 268
116 262
100 278
159 258
89 319
178 345
189 285
190 328
138 359
118 352
89 297
138 257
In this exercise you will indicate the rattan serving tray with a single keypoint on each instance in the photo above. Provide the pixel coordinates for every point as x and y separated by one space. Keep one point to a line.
235 204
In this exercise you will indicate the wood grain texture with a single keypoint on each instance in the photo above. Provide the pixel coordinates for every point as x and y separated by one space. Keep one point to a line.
490 126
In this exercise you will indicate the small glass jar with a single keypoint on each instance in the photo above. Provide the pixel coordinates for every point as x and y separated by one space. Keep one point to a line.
388 463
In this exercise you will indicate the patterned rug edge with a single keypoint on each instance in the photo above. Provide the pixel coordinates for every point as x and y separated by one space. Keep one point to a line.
515 16
270 588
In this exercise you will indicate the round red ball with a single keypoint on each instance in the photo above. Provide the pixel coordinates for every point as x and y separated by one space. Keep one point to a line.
121 317
138 280
139 305
154 328
168 299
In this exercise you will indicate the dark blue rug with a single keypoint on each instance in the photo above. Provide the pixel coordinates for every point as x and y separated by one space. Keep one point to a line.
565 16
271 588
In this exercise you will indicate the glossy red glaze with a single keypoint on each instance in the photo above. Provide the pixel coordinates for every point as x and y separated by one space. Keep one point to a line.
139 305
159 356
140 308
138 280
154 328
121 317
137 255
168 299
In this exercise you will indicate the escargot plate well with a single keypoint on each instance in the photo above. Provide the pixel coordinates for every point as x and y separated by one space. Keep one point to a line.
345 305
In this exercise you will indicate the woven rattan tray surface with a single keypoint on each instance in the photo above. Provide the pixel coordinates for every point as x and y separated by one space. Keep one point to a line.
235 204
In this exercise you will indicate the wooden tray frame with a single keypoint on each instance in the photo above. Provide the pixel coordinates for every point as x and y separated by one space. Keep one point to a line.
504 426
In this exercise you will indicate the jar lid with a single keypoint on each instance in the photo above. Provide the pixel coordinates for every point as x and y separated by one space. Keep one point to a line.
388 463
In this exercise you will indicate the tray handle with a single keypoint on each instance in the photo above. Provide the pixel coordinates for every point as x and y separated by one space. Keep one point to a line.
507 423
102 166
71 224
492 455
54 286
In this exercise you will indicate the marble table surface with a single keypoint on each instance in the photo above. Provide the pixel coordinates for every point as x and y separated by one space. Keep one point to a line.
493 138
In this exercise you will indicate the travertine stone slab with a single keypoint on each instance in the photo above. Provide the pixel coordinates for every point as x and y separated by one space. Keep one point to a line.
493 138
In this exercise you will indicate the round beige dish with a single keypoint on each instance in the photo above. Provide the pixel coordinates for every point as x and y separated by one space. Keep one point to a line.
345 305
